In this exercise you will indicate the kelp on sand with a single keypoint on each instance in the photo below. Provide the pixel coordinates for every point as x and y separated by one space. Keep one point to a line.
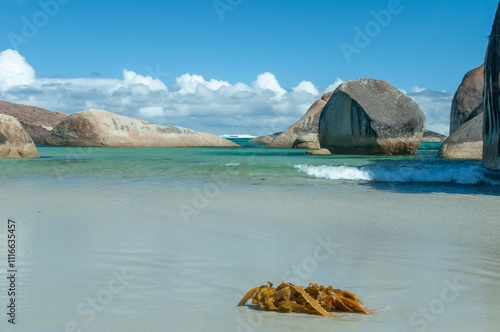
315 299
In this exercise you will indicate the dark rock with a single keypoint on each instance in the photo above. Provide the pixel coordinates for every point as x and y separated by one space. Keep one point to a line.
466 142
468 98
368 116
491 129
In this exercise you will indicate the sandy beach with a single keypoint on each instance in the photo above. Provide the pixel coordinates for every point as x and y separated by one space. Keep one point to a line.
131 253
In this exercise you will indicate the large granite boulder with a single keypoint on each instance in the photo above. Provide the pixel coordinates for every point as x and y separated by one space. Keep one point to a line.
265 139
102 128
468 98
306 141
368 116
308 124
433 137
37 121
491 130
319 152
15 142
466 142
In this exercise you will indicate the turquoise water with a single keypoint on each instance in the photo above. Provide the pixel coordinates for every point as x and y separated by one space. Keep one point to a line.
195 228
249 164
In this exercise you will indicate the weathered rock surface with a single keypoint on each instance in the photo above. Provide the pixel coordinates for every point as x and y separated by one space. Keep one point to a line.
265 139
319 152
306 141
430 136
308 124
368 116
491 129
466 142
102 128
15 142
467 100
37 121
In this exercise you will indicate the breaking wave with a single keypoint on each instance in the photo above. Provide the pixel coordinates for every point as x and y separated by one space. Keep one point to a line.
428 174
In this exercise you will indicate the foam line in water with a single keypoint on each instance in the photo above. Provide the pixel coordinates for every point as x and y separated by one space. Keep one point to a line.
460 175
237 136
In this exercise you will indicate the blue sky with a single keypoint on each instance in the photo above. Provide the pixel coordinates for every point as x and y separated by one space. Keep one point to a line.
423 44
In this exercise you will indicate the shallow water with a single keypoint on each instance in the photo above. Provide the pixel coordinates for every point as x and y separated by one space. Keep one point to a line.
172 248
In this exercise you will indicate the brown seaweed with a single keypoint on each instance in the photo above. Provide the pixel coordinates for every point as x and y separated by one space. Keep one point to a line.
315 299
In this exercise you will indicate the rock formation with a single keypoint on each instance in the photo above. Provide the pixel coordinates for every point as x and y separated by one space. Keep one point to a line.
308 124
430 136
15 142
306 141
319 152
466 142
265 139
468 98
37 121
368 116
491 129
102 128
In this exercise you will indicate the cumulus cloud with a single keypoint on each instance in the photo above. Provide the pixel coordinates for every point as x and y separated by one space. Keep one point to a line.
14 70
334 85
436 106
215 106
131 78
306 86
268 81
188 83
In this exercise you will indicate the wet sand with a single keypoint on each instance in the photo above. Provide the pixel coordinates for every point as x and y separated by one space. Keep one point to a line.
127 259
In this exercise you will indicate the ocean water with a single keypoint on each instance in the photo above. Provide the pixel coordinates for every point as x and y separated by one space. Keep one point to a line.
170 239
250 164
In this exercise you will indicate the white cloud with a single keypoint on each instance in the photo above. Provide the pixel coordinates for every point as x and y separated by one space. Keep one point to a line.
152 112
334 85
418 89
214 106
188 83
268 81
14 70
436 106
306 86
131 78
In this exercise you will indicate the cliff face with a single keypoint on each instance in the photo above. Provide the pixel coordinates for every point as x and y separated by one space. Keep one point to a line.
491 123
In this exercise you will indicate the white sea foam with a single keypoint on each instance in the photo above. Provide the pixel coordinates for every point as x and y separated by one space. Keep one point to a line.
460 175
237 136
232 164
